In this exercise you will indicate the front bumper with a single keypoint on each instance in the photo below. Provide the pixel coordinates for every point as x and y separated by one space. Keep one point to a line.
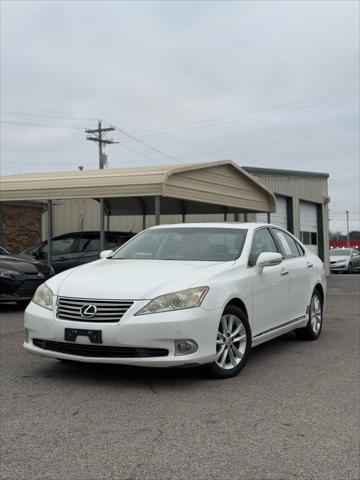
338 268
154 331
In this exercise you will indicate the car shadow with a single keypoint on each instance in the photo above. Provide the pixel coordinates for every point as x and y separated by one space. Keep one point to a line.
9 307
151 377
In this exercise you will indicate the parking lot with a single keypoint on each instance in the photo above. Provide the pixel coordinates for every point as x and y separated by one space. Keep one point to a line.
293 412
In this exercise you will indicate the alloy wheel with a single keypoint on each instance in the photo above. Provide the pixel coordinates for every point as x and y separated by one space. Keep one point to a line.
231 342
315 314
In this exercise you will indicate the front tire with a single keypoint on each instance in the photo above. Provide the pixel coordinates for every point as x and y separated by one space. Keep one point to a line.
313 328
233 344
350 268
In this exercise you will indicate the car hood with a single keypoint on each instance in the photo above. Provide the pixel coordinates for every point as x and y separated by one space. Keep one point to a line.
338 258
22 265
133 279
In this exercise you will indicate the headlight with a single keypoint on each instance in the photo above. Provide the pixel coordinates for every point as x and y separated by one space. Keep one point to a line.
43 297
193 297
8 273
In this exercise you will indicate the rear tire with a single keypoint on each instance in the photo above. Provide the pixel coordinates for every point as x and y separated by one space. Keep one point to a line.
350 268
313 328
233 344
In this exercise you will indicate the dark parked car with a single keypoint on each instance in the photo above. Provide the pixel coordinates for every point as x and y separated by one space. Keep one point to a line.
19 278
73 249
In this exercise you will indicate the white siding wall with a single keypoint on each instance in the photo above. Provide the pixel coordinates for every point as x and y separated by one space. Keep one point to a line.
279 217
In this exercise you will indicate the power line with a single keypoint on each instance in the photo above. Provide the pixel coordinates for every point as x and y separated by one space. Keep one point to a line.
259 110
241 122
295 139
47 116
139 153
132 137
42 125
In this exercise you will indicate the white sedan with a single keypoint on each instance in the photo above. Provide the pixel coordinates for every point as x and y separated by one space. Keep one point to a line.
187 294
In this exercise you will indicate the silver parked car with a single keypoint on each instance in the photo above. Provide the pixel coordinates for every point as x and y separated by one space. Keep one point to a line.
345 260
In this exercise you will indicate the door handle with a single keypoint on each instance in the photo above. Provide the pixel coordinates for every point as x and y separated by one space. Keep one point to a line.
309 265
284 272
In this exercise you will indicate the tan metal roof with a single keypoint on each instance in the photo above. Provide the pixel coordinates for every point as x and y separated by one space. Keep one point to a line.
194 187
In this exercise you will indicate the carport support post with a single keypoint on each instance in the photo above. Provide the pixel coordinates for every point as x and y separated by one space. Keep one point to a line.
157 210
1 223
50 231
102 224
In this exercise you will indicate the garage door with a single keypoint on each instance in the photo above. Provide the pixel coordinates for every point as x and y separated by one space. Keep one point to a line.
280 217
309 226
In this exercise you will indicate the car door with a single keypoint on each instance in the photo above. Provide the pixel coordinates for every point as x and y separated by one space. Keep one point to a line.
270 287
355 259
64 255
300 268
88 247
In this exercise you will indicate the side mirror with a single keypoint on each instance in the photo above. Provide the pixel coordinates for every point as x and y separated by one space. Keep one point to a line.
41 255
106 254
268 259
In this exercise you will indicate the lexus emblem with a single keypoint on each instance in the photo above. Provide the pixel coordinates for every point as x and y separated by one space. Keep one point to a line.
88 311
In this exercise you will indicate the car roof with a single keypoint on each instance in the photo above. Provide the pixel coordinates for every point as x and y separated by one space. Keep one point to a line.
92 232
238 225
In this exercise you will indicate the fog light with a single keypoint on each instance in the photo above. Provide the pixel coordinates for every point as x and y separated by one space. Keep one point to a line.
27 335
185 347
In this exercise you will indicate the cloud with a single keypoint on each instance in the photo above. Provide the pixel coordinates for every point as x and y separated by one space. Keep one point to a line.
148 65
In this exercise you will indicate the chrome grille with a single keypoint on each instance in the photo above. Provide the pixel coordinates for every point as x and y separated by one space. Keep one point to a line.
106 310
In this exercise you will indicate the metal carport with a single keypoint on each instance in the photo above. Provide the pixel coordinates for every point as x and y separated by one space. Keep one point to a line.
192 188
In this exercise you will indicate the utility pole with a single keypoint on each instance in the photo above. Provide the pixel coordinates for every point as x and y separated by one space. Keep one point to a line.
100 140
347 228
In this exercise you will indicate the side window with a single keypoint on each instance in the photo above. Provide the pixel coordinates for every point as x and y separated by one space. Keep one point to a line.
262 242
89 244
287 243
62 246
300 249
115 241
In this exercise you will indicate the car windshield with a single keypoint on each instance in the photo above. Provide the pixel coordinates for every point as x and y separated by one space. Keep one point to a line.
188 243
340 253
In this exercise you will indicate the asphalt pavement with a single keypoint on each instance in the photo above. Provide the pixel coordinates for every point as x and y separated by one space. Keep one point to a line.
292 413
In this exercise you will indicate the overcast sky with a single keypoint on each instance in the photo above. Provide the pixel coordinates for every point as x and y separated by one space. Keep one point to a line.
263 83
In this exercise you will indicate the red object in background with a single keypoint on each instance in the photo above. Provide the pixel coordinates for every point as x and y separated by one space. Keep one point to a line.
343 243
